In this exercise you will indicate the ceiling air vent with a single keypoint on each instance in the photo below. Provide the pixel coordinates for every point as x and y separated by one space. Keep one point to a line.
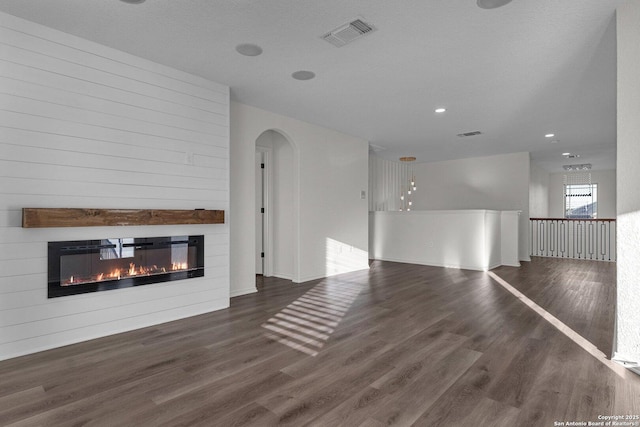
348 32
474 133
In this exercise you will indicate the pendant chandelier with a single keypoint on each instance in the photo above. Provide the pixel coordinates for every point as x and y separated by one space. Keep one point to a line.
408 186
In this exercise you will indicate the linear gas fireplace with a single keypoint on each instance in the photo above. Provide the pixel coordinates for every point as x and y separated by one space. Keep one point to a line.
82 266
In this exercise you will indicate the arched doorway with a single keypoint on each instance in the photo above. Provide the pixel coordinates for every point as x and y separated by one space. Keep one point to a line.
276 206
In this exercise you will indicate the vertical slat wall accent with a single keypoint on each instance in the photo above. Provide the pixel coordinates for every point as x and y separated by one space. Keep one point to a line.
85 126
386 178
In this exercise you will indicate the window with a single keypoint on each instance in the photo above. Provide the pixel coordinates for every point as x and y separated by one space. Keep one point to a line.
581 201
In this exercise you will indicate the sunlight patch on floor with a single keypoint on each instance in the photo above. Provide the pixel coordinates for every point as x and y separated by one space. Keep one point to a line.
560 326
308 322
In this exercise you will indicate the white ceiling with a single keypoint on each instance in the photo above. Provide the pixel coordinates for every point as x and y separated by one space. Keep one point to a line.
515 73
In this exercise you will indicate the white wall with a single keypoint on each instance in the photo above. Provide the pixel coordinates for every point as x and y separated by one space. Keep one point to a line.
628 196
330 218
471 239
83 125
538 192
495 183
606 181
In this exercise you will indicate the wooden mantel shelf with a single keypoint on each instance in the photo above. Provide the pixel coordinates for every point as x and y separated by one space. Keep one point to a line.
69 217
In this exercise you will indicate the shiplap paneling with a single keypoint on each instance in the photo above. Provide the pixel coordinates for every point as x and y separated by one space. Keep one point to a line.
128 79
115 163
35 76
77 138
83 125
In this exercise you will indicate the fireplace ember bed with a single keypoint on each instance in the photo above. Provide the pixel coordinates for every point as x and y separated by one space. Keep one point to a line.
81 266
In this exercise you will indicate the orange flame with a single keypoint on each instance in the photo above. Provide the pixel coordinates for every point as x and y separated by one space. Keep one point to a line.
119 273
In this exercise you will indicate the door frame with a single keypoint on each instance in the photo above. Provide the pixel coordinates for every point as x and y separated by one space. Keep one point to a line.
267 219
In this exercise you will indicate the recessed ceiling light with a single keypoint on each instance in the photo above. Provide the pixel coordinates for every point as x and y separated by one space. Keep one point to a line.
440 110
492 4
248 49
549 135
303 75
566 154
133 1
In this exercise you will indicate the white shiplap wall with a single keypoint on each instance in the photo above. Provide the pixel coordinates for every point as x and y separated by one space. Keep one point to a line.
83 125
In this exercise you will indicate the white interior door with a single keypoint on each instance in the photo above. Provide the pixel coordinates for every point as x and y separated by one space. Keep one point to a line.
259 215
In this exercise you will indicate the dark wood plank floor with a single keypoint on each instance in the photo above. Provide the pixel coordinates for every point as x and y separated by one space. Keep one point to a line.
397 345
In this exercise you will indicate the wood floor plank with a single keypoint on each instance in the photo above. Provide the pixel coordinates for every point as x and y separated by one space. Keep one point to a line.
313 403
418 399
251 415
211 403
488 412
515 383
554 385
405 383
455 402
409 359
129 398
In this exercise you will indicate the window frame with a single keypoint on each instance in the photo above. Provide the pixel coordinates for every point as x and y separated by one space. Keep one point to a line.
594 201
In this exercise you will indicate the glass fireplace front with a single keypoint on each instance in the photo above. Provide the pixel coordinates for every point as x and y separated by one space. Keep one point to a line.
82 266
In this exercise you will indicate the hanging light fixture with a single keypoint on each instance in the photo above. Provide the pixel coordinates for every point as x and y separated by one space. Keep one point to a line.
407 202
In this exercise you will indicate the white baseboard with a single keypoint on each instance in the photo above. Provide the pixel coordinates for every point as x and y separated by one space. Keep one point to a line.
433 264
324 276
512 265
284 276
240 292
627 362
